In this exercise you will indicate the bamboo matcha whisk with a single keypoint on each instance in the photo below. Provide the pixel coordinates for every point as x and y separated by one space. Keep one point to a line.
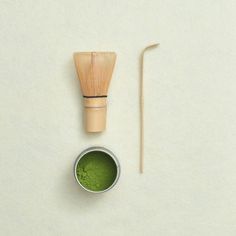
94 70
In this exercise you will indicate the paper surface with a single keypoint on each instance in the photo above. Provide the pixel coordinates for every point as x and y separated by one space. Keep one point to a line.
188 185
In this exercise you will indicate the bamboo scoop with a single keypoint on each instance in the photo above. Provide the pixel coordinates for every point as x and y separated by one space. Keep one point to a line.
141 99
94 70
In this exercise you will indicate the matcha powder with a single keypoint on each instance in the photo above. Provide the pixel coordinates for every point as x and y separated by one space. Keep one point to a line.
96 171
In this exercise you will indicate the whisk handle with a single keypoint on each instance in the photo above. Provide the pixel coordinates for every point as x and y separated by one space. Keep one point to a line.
95 109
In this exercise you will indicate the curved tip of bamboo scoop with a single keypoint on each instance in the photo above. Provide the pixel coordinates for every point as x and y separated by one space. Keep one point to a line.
151 46
95 70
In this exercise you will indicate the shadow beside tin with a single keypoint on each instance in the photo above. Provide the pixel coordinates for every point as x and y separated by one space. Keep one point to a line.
102 150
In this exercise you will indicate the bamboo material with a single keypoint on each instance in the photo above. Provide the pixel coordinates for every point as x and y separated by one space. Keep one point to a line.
142 105
95 70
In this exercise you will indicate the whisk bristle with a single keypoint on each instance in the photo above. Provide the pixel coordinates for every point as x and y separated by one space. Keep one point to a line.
94 71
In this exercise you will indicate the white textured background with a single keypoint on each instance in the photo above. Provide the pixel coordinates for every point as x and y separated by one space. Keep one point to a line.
189 185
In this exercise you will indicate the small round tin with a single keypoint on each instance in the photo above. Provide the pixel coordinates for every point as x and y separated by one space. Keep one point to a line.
99 149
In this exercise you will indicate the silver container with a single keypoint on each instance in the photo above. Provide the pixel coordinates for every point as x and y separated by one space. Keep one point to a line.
100 149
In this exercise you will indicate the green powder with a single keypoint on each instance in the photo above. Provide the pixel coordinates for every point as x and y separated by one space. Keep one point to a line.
96 171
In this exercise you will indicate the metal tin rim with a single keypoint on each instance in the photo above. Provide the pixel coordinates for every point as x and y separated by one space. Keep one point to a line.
101 149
